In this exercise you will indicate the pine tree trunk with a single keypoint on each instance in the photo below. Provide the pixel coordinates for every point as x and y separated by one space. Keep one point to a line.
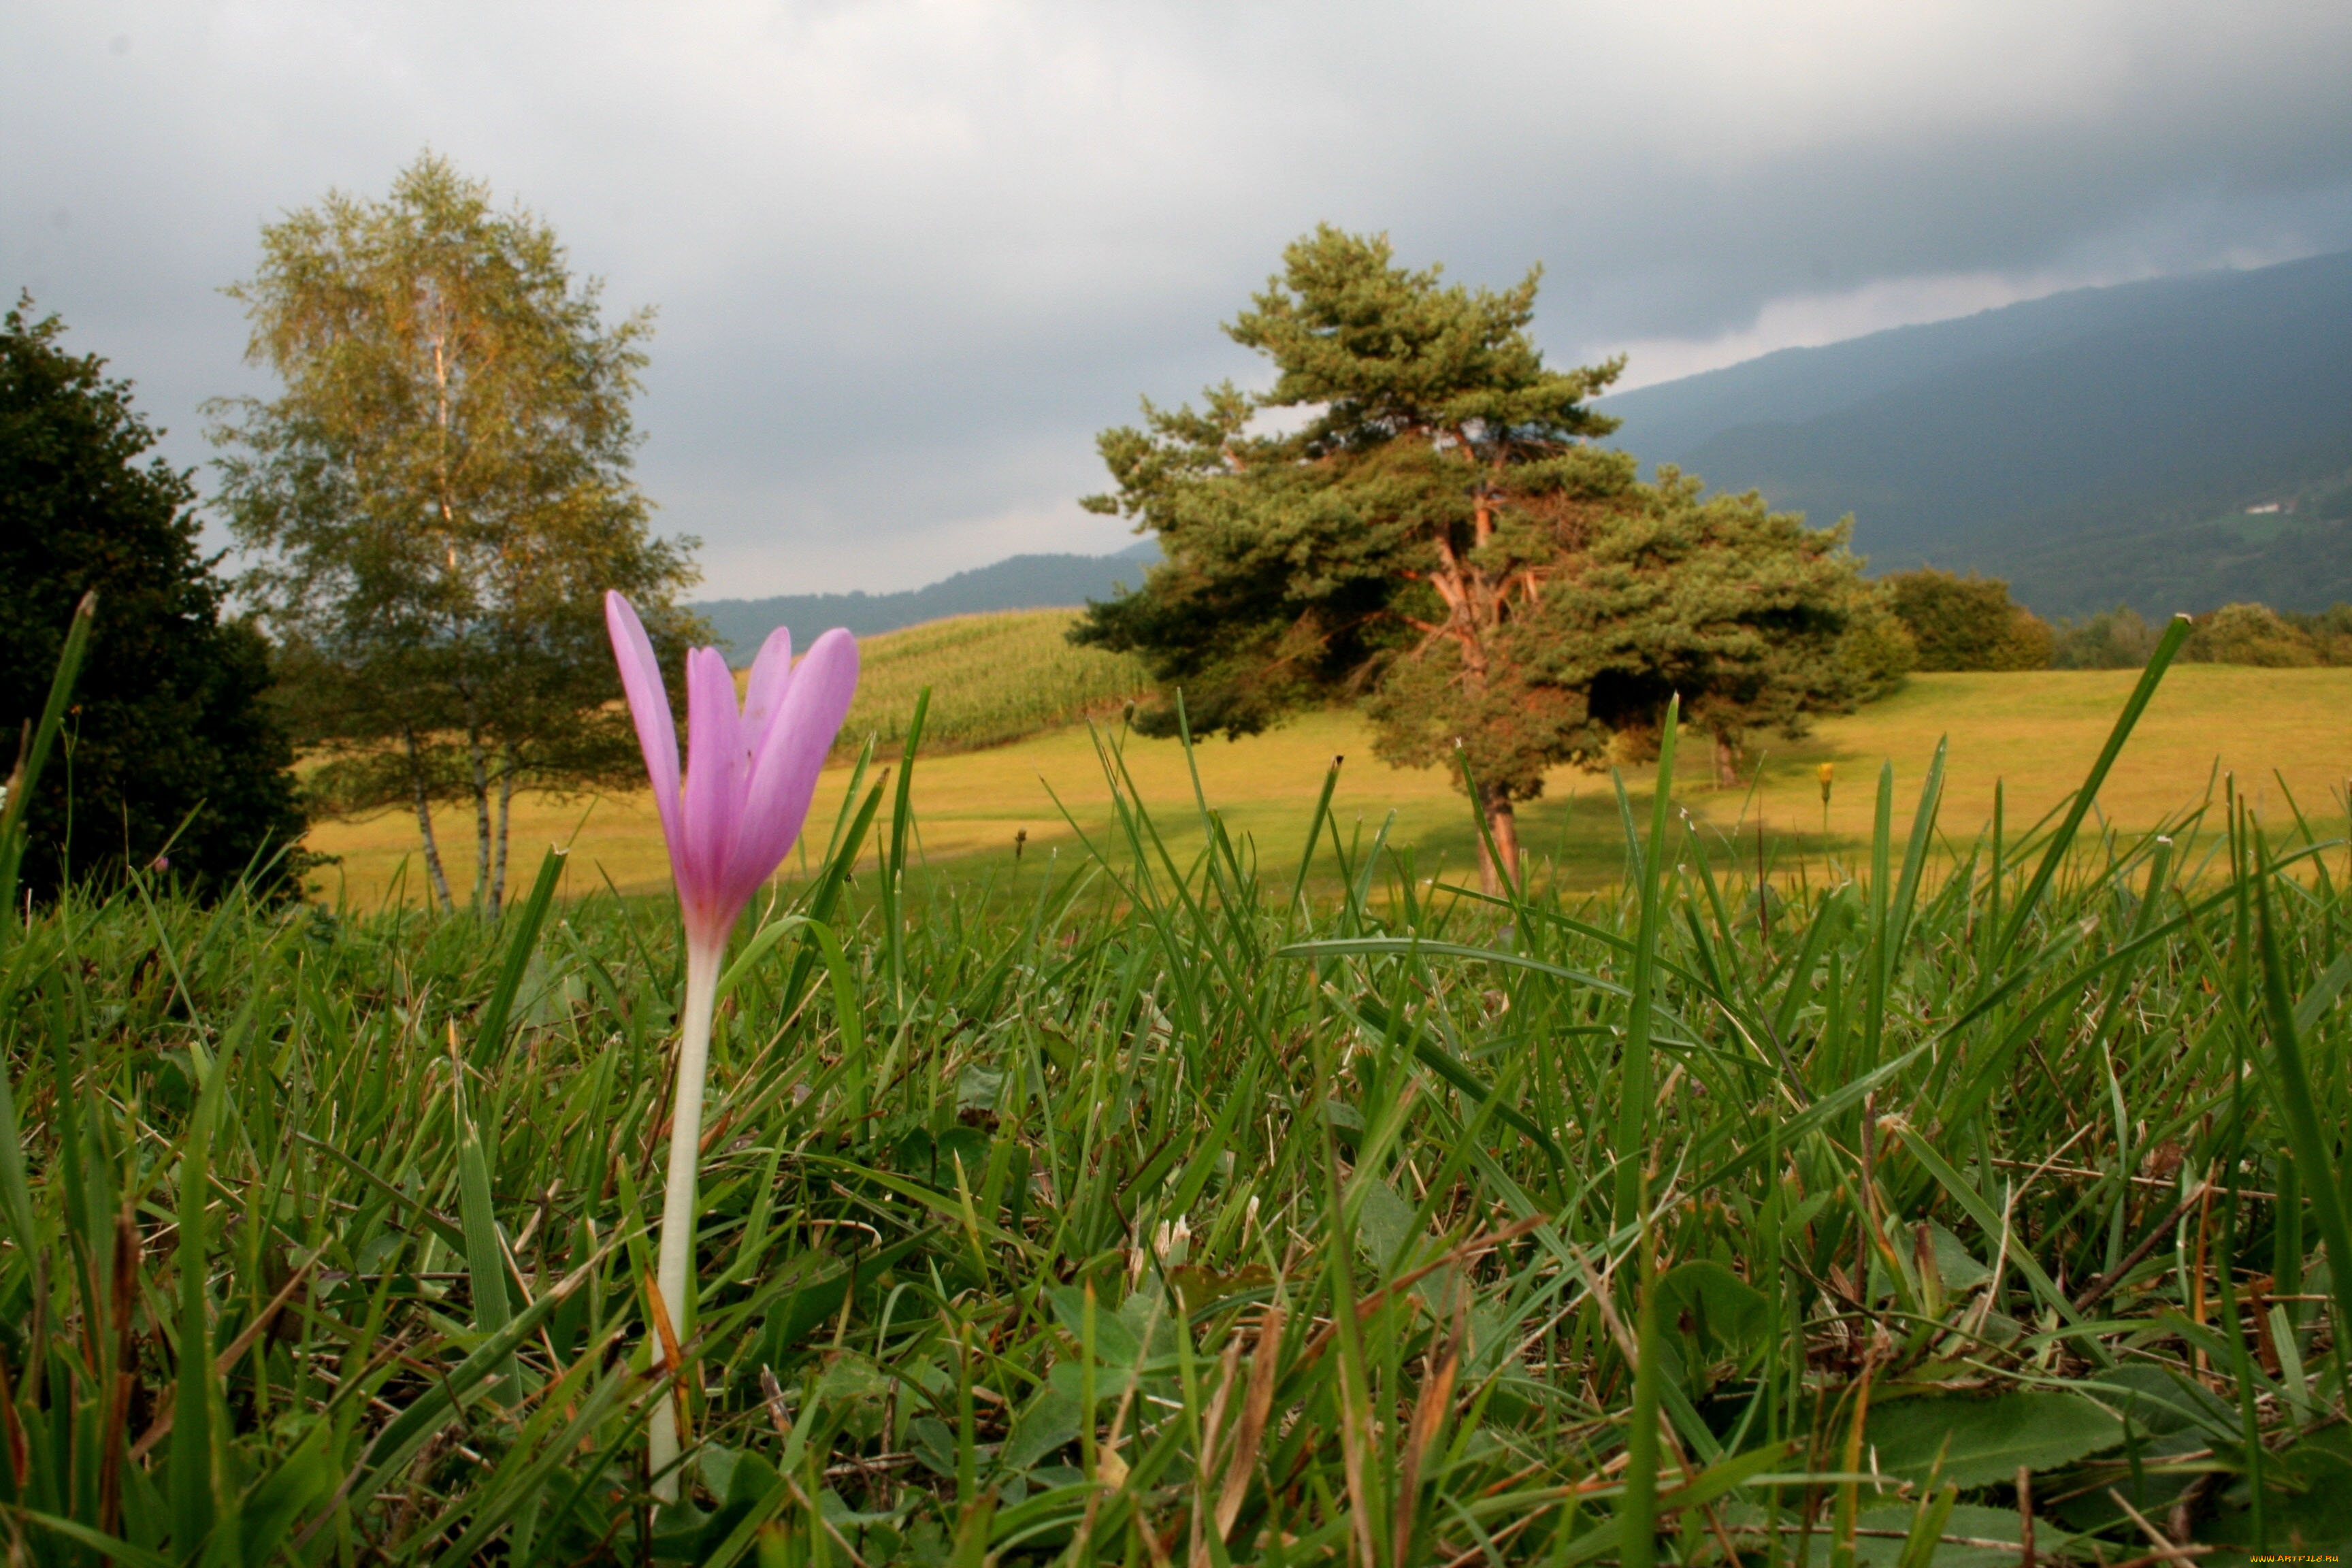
435 874
1727 763
1503 828
506 807
486 897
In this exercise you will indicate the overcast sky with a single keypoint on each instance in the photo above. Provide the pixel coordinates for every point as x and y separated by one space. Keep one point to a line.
910 254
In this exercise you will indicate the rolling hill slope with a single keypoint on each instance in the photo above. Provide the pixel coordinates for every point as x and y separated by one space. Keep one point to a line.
1017 582
994 678
2094 448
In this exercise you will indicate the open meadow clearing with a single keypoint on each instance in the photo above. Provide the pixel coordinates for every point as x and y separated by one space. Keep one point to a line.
2034 732
1165 1214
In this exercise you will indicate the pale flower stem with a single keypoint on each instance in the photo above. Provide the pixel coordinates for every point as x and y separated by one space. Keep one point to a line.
674 1273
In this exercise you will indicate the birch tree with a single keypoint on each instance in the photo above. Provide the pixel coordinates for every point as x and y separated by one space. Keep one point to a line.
436 501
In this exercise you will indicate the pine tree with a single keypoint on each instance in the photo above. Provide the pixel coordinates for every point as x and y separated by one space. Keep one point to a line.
176 761
1442 535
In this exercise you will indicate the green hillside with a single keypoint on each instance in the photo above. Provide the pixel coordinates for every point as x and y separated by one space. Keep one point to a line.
2296 557
1017 582
994 678
2093 447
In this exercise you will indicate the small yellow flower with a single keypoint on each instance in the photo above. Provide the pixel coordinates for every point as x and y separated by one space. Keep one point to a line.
1828 775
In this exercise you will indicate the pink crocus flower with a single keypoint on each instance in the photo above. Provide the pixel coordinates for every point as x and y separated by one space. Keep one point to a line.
750 776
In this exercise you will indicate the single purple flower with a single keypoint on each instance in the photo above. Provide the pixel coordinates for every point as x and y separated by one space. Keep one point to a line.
750 776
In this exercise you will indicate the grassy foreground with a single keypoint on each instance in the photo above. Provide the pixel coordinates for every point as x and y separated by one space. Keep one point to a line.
1166 1214
2280 731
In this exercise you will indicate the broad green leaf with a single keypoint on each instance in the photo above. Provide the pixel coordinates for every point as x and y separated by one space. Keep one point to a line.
1983 1441
1049 1421
1707 1304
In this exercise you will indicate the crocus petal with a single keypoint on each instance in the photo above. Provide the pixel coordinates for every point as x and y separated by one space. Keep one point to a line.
649 708
717 769
784 774
771 673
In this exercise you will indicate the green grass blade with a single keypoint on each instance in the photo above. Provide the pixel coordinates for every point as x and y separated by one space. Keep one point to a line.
1637 1511
113 1548
1973 1204
491 1025
2062 840
1633 1141
745 963
2304 1137
191 1474
1372 1018
486 1263
826 895
1914 852
15 1192
452 1236
27 774
1315 831
392 1448
894 869
1484 830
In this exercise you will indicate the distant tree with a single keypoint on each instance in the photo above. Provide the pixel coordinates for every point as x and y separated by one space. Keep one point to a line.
1968 622
2111 639
1439 534
2329 631
1877 650
175 758
2250 634
437 500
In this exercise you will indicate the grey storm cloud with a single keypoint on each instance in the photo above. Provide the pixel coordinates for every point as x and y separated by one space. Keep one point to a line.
910 255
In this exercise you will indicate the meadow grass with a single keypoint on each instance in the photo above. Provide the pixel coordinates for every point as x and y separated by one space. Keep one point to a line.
1171 1212
2281 733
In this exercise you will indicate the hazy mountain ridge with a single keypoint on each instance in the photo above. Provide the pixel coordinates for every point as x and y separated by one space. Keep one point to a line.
2083 446
2096 448
1017 582
1790 386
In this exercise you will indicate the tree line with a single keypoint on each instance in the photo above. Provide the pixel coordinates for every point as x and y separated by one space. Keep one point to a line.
1957 623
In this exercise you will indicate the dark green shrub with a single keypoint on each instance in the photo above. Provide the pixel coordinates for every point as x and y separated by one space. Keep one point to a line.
1876 650
173 757
1968 622
2330 631
2251 634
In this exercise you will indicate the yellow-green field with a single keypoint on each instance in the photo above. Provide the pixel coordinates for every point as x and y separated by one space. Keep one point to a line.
993 680
2037 731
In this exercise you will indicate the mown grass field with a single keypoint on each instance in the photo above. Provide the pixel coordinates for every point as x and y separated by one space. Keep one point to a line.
1166 1216
2034 734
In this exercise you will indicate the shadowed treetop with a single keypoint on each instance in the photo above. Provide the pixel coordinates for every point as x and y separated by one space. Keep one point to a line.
174 757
